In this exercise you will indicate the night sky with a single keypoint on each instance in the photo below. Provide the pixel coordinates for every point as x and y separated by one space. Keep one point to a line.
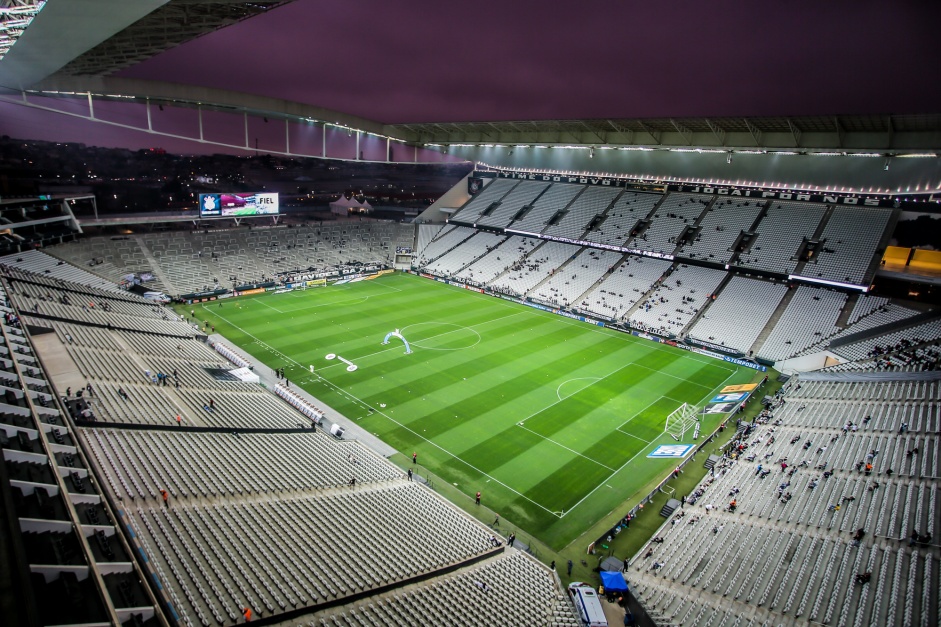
453 61
419 60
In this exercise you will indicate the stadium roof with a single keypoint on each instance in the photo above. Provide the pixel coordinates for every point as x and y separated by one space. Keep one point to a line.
647 77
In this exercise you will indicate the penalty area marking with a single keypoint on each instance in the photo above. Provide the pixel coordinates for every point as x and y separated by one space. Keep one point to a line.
640 411
458 327
558 390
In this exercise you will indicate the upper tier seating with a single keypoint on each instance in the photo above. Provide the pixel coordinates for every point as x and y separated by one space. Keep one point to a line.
627 211
490 194
522 195
590 203
677 212
553 200
781 234
849 241
724 221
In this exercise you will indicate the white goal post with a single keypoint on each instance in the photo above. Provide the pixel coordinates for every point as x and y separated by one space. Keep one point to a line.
681 420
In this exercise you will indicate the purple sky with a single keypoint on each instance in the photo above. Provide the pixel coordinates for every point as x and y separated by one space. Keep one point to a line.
420 60
453 61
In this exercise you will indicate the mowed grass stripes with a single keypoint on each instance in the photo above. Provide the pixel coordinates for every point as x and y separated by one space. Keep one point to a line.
550 418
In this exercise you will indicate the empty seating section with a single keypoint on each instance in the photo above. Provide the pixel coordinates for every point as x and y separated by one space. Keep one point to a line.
780 235
865 306
191 262
676 213
490 194
892 341
471 249
47 266
277 519
498 260
791 552
886 314
618 292
448 238
627 211
550 203
427 233
721 226
509 589
565 286
277 555
739 313
676 299
810 317
138 463
51 298
848 244
522 195
537 266
576 219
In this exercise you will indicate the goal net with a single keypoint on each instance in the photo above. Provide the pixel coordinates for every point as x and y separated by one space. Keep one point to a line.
682 420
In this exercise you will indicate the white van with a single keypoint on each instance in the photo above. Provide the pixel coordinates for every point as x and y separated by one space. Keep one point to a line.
588 604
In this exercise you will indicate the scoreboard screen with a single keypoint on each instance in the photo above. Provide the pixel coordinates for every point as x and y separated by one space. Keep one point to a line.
239 204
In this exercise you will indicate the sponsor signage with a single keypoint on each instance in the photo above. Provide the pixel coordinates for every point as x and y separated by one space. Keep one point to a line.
734 397
719 190
672 451
721 408
744 387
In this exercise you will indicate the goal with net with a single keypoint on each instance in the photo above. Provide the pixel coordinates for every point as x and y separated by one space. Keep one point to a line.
682 420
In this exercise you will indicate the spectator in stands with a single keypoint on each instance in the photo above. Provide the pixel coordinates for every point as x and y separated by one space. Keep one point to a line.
166 497
863 578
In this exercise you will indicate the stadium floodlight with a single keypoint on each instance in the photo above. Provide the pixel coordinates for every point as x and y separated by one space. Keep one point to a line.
15 16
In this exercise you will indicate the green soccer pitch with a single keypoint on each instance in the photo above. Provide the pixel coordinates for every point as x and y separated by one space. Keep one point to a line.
550 418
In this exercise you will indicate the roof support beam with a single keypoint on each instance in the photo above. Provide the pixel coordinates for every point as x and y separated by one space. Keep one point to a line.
795 133
839 131
655 134
891 129
684 131
601 138
755 132
717 130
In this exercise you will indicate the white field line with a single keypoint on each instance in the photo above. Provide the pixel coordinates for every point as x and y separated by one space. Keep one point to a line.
385 415
396 346
565 447
720 386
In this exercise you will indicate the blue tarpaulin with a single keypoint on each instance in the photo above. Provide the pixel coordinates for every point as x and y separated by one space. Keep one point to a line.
613 582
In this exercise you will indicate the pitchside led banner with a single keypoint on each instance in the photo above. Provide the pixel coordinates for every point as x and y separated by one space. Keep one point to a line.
241 204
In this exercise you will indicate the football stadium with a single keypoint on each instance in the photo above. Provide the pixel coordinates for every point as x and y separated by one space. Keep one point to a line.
278 354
